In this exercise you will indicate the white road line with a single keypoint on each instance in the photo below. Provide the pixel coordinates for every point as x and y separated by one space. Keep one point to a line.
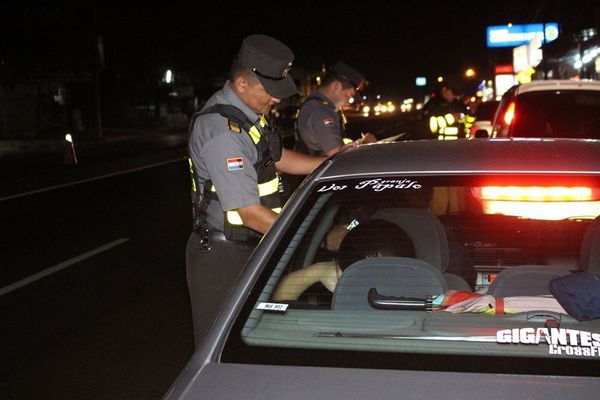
61 266
14 196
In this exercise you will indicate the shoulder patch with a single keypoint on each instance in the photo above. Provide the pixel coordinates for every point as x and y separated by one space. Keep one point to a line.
328 121
234 126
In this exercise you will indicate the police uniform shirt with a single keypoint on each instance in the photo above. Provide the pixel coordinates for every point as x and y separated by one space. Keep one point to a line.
319 125
226 156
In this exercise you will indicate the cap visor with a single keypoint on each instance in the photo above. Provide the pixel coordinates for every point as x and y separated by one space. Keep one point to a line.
279 89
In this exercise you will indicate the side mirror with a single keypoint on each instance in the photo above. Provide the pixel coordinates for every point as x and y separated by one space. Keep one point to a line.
481 134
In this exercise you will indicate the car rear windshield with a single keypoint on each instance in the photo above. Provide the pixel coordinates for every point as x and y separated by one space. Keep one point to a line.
463 273
566 114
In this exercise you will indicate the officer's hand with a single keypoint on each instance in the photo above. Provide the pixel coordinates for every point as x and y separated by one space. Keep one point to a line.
368 138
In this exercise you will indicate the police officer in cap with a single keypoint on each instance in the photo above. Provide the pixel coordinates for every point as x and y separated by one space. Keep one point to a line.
444 115
321 123
234 154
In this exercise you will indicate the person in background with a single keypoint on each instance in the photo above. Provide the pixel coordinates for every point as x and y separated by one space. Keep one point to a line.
320 125
443 116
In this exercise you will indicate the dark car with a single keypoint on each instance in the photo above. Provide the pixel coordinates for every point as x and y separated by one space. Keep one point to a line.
550 108
420 270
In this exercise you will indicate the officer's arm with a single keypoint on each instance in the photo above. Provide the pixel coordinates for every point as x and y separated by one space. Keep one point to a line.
257 217
296 163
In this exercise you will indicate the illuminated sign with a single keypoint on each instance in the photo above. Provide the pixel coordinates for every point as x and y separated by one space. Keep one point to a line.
516 35
421 81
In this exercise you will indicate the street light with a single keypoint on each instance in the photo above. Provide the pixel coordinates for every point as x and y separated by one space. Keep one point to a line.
469 73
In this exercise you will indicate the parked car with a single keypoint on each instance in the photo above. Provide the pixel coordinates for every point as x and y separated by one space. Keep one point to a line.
419 270
484 117
550 108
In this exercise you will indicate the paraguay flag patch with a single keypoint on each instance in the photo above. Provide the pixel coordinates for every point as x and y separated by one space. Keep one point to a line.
234 164
328 121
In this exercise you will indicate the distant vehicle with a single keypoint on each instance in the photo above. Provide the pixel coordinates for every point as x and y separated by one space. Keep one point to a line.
484 116
456 307
550 108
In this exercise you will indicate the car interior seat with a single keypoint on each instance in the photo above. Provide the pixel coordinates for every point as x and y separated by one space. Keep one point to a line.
391 276
590 248
532 280
429 238
525 280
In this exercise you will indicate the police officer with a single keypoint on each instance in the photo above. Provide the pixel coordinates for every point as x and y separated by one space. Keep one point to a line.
234 155
444 115
321 123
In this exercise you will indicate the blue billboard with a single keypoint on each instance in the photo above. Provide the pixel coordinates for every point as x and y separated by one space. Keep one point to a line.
516 35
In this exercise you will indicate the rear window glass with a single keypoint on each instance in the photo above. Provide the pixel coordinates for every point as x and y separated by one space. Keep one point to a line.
567 114
418 272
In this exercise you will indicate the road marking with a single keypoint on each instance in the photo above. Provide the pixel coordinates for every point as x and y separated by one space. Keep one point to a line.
61 266
47 189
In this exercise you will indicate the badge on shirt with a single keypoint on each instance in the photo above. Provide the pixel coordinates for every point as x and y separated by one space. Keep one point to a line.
328 121
234 164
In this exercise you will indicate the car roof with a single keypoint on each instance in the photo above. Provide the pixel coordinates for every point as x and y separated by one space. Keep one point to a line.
510 155
566 84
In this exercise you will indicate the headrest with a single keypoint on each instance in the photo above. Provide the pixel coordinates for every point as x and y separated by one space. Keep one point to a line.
391 276
426 232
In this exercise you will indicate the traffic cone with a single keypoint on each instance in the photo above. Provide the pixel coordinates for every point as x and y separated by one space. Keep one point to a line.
70 156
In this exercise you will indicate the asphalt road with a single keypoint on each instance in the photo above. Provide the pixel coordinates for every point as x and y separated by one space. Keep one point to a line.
93 299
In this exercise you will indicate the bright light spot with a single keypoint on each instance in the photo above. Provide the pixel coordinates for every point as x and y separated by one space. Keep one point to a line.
351 100
543 211
168 76
510 24
69 138
510 114
378 97
366 109
440 79
536 193
470 73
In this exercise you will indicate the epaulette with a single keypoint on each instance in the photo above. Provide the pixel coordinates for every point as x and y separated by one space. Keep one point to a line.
234 126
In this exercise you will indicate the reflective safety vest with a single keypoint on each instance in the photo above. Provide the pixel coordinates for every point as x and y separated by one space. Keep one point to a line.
269 148
446 126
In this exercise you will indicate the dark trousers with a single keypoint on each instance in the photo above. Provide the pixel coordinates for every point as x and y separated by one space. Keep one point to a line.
210 275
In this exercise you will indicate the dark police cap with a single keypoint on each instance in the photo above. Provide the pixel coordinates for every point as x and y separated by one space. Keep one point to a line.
271 61
348 73
454 84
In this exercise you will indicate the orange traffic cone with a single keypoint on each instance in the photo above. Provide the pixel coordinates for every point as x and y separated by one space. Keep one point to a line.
70 156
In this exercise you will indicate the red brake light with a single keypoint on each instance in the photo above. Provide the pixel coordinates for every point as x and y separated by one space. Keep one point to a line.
536 193
509 115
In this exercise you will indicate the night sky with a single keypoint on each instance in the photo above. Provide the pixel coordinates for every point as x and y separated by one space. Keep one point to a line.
391 42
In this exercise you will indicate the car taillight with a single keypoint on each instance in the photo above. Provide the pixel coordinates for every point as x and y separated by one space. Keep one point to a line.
536 193
540 202
509 115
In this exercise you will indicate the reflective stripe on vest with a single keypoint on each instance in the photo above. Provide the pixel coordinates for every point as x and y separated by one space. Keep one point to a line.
264 189
234 218
254 133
